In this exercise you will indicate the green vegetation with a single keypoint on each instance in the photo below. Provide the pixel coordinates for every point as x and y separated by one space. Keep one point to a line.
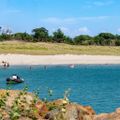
42 35
39 42
42 48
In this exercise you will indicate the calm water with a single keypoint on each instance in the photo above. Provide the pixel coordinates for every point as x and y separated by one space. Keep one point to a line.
95 85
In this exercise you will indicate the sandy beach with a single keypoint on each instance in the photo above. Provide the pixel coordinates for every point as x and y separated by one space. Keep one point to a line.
18 59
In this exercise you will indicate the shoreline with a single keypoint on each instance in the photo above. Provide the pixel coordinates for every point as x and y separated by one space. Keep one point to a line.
22 59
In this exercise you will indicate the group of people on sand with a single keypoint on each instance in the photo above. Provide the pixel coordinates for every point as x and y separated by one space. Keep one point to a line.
5 64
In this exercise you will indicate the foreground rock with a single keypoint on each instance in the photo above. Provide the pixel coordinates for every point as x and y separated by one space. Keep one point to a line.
67 111
111 116
20 105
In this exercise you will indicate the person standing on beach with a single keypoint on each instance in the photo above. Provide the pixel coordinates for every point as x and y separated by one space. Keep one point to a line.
5 64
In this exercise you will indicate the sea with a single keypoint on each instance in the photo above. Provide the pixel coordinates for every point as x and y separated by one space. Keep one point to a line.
95 85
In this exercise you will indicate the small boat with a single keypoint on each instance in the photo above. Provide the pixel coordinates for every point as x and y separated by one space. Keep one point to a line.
14 80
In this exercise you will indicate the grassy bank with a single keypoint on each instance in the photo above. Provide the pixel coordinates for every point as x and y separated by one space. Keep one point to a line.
55 48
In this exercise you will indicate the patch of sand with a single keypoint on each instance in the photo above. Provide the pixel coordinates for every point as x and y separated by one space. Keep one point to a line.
18 59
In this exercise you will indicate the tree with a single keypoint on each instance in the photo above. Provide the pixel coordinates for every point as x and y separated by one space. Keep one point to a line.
6 31
6 34
58 36
23 36
117 37
0 29
0 33
117 41
40 34
68 40
106 36
5 37
104 39
82 40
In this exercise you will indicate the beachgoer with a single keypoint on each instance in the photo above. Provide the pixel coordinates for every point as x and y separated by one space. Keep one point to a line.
5 64
14 77
30 67
45 67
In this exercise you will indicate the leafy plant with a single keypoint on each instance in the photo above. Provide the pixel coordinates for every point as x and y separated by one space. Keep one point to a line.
67 94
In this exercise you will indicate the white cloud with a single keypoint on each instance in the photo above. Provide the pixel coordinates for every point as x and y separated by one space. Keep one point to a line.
74 20
83 30
64 29
101 3
103 31
52 20
98 3
12 11
55 20
94 18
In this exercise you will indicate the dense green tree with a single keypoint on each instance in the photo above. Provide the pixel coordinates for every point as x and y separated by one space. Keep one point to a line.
5 37
0 29
104 39
83 40
1 39
117 37
50 39
117 42
68 40
5 34
23 36
0 34
40 34
98 40
106 36
18 36
58 36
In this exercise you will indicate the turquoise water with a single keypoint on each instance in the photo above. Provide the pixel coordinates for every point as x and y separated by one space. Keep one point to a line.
95 85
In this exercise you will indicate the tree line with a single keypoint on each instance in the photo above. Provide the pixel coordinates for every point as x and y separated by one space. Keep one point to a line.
42 35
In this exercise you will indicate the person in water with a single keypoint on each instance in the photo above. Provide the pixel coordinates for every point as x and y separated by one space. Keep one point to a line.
45 67
5 64
15 77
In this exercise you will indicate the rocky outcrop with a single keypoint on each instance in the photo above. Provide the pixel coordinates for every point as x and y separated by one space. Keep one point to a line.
111 116
21 105
69 111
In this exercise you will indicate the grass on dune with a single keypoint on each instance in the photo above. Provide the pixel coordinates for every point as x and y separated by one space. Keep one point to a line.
55 48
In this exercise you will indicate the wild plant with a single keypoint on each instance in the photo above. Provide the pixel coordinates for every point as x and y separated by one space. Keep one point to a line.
67 94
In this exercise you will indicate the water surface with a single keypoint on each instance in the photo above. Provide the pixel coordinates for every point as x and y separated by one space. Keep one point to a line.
95 85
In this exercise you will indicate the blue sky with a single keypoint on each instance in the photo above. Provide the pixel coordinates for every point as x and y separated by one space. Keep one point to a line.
74 17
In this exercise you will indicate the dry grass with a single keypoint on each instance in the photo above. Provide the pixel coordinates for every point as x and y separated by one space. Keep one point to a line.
55 48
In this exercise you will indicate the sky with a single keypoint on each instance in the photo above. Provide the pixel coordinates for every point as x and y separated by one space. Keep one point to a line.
73 17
